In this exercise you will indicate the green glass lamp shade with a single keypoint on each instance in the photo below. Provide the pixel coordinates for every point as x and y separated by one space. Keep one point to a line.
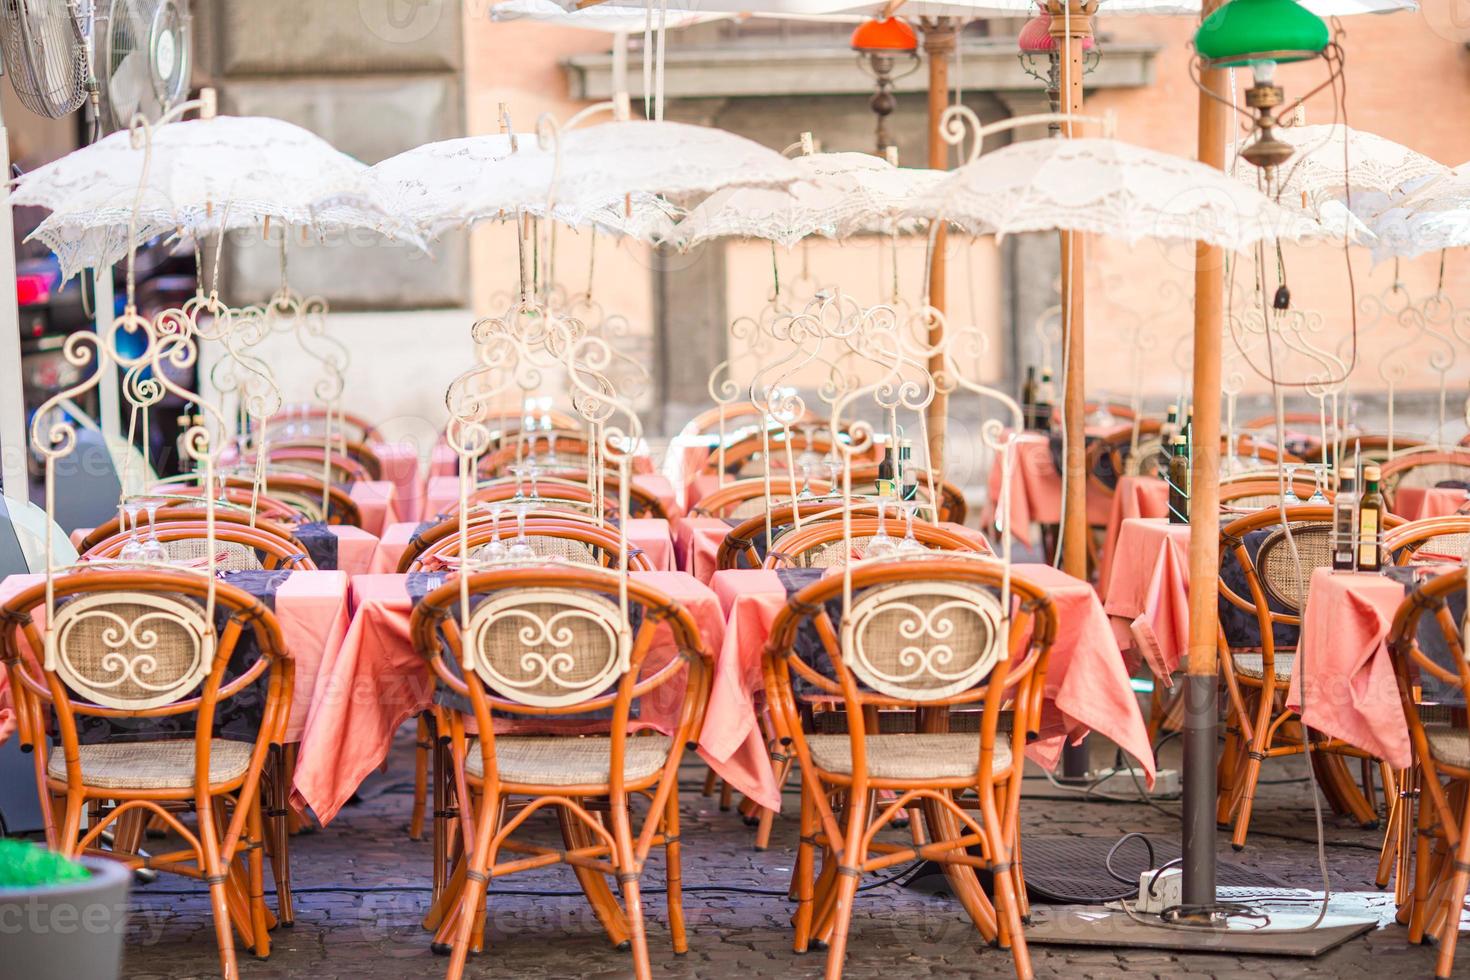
1245 32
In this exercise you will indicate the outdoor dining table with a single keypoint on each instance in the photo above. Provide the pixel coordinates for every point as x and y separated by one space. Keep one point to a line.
310 606
1036 484
650 535
1418 503
375 680
1147 593
377 500
1087 686
1134 496
1343 682
332 547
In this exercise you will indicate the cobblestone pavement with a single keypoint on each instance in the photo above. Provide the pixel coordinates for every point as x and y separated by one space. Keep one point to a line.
362 887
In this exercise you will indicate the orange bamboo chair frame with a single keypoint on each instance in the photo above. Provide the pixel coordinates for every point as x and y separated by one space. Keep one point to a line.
341 508
1015 683
791 545
191 513
1257 486
742 452
952 504
277 423
275 551
1441 869
717 503
594 847
1407 541
1257 705
497 463
305 458
739 545
236 896
442 541
1115 446
185 497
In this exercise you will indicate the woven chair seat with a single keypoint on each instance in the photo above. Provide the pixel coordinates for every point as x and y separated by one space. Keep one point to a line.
153 765
1450 746
916 757
1253 665
569 760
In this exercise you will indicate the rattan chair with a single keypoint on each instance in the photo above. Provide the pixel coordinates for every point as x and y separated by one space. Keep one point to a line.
577 542
571 453
1248 495
237 546
823 544
302 492
131 645
747 498
188 510
743 457
919 638
952 504
739 548
1434 540
1424 468
1256 679
1441 747
299 457
515 664
304 421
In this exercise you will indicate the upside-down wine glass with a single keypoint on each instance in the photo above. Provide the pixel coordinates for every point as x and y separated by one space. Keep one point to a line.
1319 483
520 549
153 549
1290 498
881 545
132 549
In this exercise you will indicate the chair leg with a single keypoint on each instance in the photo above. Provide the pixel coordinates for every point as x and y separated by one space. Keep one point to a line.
478 860
726 796
675 875
1454 902
802 883
846 888
420 779
216 873
628 873
604 906
255 861
278 833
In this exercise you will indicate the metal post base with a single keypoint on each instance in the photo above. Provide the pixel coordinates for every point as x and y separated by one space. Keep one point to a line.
1199 790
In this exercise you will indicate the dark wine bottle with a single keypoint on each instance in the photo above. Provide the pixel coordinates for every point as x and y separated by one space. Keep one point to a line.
887 483
1179 483
908 477
1028 398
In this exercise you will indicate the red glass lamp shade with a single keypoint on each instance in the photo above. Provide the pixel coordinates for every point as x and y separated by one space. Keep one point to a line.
1036 37
885 34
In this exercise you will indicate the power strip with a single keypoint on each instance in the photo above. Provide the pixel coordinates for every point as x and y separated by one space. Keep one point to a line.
1159 890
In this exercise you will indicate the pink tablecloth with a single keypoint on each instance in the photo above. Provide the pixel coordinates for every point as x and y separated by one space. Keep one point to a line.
1343 683
1148 590
1036 485
312 610
355 548
401 467
1135 496
1417 503
443 493
1087 686
650 534
378 501
377 681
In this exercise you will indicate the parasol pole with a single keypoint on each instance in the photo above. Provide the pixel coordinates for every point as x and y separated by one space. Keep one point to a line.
939 45
109 402
1204 506
1071 25
13 443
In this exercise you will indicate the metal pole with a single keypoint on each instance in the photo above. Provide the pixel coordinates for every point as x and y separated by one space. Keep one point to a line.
939 43
109 403
1073 30
12 386
1204 538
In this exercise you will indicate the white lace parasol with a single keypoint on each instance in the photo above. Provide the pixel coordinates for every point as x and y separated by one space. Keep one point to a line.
204 176
839 194
983 8
1432 218
1109 187
1343 176
609 19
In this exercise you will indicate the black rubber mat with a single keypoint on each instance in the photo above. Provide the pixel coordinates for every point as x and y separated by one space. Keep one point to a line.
1073 870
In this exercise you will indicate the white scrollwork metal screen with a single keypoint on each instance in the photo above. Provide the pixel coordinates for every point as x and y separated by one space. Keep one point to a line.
545 647
132 650
924 641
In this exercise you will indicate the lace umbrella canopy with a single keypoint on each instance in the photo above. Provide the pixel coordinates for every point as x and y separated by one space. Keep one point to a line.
1108 187
628 177
205 176
609 19
1433 218
1350 180
980 8
439 187
839 194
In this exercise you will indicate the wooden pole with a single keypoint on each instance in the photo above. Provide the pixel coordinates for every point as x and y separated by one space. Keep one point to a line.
1204 508
939 44
1072 28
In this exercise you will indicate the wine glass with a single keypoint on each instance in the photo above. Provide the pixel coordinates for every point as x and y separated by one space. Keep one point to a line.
909 544
132 549
153 549
520 549
881 545
519 471
1319 482
1290 499
495 549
